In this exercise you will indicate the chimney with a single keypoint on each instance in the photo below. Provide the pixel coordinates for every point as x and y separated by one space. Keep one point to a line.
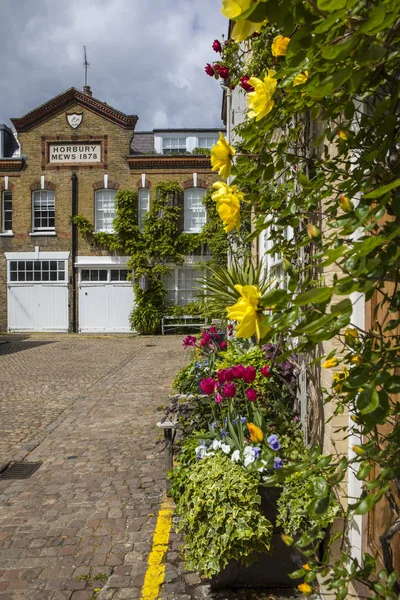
87 90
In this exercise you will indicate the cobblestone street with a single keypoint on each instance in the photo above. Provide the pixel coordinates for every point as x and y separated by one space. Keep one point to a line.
81 527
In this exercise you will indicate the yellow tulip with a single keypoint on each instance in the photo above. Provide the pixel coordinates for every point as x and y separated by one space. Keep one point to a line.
279 45
256 435
329 364
247 312
305 589
260 101
234 8
300 78
345 204
221 156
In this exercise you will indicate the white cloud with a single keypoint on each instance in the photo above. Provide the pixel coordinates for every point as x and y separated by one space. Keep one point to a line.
146 57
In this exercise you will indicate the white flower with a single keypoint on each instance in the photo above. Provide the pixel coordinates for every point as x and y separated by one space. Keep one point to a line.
235 456
201 451
216 444
261 469
225 448
248 450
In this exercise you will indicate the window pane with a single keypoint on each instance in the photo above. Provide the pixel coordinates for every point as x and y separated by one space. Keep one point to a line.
61 275
29 276
104 209
85 275
53 275
43 209
29 265
37 276
94 275
194 210
13 276
123 275
45 276
13 265
143 206
103 275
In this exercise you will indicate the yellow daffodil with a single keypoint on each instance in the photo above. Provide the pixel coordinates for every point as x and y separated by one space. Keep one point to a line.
247 312
329 364
228 199
345 204
221 156
256 435
260 101
305 589
244 29
234 8
342 134
300 78
279 45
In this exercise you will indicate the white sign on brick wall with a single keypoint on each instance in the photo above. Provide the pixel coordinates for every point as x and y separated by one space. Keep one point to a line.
71 152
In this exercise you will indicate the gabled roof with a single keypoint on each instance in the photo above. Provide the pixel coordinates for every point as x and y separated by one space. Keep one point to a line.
73 96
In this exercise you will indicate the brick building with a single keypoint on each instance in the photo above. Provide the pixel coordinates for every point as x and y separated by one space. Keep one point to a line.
73 154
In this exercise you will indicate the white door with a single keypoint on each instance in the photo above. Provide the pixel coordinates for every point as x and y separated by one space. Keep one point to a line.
34 305
105 300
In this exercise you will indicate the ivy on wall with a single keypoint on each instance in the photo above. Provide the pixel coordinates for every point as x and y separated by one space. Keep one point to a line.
159 244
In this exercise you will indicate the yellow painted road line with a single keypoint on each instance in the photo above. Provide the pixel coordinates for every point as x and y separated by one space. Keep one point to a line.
154 577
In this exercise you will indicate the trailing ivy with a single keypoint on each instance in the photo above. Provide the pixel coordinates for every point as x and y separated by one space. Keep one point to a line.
159 244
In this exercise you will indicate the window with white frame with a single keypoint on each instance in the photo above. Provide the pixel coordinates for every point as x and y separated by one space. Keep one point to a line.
174 145
104 201
143 206
195 214
105 275
207 141
43 208
37 270
182 285
6 211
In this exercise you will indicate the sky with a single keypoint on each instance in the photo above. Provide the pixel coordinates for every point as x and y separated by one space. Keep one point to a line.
146 57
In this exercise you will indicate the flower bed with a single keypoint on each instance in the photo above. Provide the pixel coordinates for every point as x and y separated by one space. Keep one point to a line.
241 484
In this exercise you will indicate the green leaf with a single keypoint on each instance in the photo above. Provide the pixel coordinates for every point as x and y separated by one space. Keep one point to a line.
393 385
376 18
320 487
368 400
314 296
341 50
366 504
331 5
378 192
297 574
274 297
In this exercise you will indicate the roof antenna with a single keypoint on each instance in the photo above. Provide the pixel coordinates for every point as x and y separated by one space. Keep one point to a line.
85 64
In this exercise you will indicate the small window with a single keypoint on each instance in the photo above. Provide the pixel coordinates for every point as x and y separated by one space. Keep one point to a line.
174 145
119 275
181 285
143 206
7 211
37 270
207 141
194 210
104 209
43 210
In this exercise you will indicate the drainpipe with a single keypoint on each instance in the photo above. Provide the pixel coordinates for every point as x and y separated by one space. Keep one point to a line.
74 202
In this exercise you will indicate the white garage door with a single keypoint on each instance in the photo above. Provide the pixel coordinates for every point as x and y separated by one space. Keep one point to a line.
37 295
105 300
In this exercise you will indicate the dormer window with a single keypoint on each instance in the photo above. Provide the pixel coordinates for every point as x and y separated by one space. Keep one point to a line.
174 145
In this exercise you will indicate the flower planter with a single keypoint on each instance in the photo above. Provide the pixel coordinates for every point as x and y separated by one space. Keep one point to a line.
269 569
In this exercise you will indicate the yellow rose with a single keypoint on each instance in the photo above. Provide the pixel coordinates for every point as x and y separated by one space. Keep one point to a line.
256 435
345 204
228 199
305 589
351 334
260 101
342 134
244 29
247 312
234 8
306 567
358 450
221 156
279 45
313 231
300 78
356 360
329 364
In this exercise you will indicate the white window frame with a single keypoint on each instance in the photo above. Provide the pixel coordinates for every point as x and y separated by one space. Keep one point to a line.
174 293
49 194
177 145
34 259
3 211
204 141
143 196
108 280
187 210
97 209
